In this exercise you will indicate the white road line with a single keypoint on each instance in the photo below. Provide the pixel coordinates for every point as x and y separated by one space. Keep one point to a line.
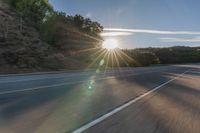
68 83
100 119
66 76
61 76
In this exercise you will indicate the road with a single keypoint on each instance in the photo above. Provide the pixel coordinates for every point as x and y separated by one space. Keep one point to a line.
164 99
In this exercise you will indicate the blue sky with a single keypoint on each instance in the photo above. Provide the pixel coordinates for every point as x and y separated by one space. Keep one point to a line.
142 23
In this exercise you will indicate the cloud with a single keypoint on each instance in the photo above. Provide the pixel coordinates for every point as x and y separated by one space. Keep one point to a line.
111 34
89 15
193 40
150 31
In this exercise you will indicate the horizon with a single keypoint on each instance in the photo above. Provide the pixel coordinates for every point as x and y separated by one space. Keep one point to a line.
141 24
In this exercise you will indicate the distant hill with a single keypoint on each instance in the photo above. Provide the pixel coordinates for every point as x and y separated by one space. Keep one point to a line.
169 55
176 54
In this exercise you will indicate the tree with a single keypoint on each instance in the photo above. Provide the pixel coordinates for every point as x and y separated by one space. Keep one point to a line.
32 10
59 29
141 57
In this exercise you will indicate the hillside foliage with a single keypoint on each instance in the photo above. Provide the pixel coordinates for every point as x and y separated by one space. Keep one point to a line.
34 37
33 11
70 30
171 55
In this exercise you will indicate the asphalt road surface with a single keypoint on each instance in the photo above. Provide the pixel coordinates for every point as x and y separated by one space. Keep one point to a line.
163 99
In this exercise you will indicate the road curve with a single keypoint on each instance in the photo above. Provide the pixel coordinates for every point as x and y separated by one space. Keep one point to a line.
140 100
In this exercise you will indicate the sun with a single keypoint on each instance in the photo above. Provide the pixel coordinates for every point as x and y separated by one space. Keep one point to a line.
110 44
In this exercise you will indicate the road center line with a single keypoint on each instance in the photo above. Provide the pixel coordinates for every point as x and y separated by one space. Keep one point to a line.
61 76
58 77
105 116
69 83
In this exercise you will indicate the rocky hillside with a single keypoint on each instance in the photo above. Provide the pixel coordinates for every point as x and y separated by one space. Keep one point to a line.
22 48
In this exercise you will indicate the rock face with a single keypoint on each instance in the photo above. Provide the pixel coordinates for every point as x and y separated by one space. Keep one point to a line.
20 44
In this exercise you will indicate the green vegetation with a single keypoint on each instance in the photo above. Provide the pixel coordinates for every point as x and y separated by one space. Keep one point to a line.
58 29
141 58
33 11
34 37
54 24
171 55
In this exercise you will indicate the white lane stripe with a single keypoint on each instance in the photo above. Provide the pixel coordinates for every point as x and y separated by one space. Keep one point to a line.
42 73
66 76
100 119
69 83
61 76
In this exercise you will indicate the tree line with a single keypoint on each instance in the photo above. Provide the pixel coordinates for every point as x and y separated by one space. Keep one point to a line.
170 55
55 26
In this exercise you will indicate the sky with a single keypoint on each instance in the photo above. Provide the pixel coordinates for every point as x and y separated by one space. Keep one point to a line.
141 23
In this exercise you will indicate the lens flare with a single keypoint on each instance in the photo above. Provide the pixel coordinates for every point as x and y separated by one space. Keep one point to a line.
110 44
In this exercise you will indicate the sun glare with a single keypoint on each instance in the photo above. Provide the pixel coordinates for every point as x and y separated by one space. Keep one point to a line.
110 44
